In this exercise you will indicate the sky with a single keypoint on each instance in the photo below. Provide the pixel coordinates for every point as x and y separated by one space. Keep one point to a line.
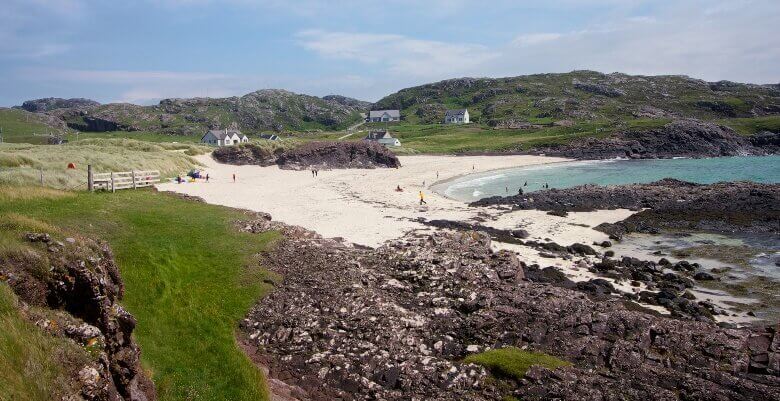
141 51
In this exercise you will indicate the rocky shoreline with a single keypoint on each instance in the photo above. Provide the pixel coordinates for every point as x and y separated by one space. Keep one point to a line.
665 204
679 138
396 322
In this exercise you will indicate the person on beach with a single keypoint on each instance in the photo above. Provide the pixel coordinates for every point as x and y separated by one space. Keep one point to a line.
207 177
316 173
234 177
437 175
312 173
398 189
422 198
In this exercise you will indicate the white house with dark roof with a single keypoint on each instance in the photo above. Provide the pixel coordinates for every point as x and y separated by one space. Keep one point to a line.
225 137
382 137
380 116
456 116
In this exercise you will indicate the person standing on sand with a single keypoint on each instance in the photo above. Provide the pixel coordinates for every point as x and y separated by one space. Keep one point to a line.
422 198
234 177
207 177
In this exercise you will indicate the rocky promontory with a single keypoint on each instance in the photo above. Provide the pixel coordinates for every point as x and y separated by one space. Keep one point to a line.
70 288
396 323
680 138
665 204
320 155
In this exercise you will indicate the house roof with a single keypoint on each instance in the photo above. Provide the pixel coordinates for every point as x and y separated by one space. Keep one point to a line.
380 113
377 135
222 134
456 112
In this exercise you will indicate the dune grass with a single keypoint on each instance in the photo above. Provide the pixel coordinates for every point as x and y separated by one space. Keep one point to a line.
513 362
33 365
21 164
189 278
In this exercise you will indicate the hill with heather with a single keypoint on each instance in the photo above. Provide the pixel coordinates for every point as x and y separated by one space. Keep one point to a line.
267 109
582 95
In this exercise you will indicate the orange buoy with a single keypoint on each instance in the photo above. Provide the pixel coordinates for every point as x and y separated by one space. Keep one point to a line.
72 166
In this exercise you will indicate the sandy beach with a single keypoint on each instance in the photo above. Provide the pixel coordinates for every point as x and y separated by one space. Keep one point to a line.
363 207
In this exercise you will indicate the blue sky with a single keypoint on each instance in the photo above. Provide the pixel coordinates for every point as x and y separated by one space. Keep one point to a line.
141 51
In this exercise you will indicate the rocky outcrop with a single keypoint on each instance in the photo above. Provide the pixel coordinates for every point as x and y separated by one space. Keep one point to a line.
321 155
53 103
338 155
597 88
395 323
81 287
681 138
769 141
670 204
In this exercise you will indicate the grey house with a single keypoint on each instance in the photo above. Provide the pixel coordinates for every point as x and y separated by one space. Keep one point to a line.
225 137
382 137
376 116
456 116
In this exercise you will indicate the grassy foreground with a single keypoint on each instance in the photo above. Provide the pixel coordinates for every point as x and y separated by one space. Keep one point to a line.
189 278
513 362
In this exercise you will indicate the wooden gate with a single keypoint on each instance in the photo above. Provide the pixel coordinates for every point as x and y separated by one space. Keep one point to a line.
121 180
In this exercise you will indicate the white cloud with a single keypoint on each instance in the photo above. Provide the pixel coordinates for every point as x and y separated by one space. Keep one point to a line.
120 76
531 39
399 54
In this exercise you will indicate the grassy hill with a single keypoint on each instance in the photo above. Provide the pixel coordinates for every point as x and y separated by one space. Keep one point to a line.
21 126
582 95
263 110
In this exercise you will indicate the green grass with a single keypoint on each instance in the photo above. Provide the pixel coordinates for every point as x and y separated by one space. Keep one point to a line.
512 362
33 365
189 278
750 126
20 126
148 136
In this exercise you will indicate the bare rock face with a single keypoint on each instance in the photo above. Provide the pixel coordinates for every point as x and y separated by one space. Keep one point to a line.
688 138
324 155
53 103
338 155
82 286
395 324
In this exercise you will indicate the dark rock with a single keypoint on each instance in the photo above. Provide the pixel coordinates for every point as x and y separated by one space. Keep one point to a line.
320 155
703 276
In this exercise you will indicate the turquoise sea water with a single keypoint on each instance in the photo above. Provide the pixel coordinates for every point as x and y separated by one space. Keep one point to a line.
611 172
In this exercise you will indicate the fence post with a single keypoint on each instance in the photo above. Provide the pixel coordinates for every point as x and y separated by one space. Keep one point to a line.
41 171
90 179
133 174
112 182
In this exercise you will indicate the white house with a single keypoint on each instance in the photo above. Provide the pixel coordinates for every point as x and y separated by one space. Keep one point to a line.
382 137
225 137
376 116
458 116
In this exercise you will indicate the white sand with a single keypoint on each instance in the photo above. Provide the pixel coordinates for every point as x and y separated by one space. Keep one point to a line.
363 207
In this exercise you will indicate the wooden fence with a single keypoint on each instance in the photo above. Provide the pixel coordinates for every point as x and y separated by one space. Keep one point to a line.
121 180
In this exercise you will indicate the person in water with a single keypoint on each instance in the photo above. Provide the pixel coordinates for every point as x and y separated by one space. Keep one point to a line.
422 198
526 184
